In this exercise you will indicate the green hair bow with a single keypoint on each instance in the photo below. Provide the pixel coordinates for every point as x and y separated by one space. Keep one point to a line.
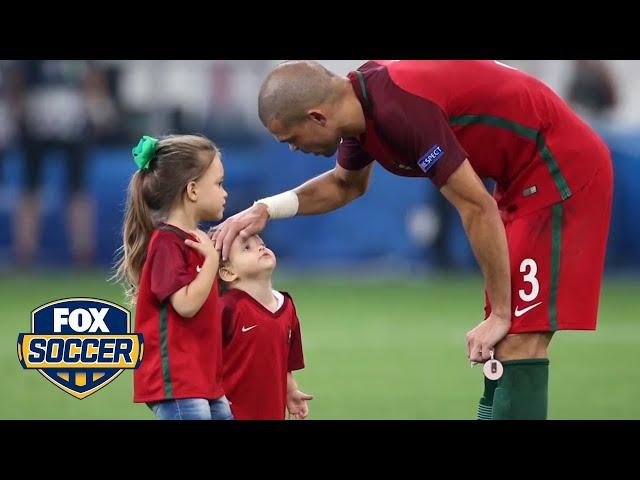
143 152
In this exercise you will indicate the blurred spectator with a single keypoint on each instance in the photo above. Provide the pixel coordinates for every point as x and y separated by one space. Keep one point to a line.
225 122
103 111
64 106
12 98
55 119
592 91
51 111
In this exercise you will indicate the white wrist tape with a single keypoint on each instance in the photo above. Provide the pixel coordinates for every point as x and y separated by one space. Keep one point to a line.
283 205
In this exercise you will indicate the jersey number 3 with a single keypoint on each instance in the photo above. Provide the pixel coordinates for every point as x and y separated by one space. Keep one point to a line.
530 269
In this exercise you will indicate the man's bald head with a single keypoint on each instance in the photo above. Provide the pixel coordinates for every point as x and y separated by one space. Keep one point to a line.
292 88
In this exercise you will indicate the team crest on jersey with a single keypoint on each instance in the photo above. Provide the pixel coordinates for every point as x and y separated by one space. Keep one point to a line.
430 158
80 344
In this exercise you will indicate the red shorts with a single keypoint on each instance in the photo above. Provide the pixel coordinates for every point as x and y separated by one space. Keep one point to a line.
557 260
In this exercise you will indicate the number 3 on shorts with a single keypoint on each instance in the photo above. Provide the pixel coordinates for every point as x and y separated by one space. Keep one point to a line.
529 268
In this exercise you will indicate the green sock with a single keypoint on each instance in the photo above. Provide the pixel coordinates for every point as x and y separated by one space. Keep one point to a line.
486 402
522 391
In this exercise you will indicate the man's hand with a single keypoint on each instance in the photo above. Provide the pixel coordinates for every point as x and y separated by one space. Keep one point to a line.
246 223
483 339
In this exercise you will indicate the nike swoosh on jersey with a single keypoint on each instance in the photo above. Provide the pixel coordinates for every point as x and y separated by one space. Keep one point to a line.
519 313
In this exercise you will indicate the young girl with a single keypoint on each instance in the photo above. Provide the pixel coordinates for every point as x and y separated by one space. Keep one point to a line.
170 269
262 344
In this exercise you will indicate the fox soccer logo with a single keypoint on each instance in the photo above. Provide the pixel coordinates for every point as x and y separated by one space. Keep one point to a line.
80 344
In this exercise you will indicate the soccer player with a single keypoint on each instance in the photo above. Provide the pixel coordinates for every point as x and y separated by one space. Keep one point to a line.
540 240
261 337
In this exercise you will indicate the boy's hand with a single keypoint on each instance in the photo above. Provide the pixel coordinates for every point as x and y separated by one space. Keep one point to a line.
297 404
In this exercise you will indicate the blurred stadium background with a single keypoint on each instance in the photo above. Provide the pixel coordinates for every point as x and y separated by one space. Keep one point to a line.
386 288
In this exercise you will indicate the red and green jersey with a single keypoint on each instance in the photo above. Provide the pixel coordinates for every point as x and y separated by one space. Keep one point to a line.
260 347
423 118
182 356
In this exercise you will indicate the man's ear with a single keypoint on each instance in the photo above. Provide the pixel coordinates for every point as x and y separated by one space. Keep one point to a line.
318 117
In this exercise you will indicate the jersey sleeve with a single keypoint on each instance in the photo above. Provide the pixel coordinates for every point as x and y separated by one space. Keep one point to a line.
296 357
419 130
169 268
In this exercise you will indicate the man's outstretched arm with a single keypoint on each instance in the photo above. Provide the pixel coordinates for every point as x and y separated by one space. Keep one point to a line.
324 193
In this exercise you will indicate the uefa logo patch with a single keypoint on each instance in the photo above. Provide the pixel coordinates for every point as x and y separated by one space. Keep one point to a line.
80 344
